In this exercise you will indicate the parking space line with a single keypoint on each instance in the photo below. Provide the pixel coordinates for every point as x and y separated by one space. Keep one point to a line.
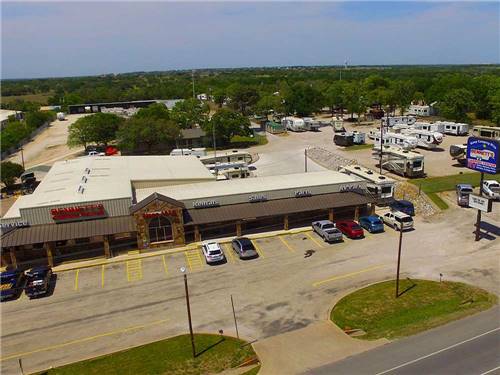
228 251
102 277
290 248
258 249
318 283
76 278
194 260
134 270
165 264
313 239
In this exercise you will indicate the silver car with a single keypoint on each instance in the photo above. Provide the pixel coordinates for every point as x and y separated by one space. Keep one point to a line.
244 248
212 252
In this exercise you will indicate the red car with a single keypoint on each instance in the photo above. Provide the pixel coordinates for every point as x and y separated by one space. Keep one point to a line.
350 228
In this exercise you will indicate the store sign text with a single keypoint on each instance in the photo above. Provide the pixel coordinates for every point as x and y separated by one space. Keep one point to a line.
16 224
205 204
170 212
302 193
481 203
91 211
257 198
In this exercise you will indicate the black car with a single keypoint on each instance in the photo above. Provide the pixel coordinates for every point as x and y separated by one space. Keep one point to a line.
12 283
244 248
38 281
403 206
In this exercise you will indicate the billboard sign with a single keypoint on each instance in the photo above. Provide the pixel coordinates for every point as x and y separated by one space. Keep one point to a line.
483 155
78 213
481 203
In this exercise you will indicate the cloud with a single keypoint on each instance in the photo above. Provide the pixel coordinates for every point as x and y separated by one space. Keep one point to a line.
60 39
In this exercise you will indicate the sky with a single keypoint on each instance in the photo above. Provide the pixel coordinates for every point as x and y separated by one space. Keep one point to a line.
57 39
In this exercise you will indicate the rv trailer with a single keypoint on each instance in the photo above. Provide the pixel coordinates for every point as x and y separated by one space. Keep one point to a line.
454 128
311 124
398 120
492 132
425 139
405 142
402 162
227 157
381 187
459 153
294 124
338 126
430 126
198 152
343 139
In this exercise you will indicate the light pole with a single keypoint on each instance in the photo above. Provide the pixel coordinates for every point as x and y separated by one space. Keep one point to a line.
478 217
399 259
183 270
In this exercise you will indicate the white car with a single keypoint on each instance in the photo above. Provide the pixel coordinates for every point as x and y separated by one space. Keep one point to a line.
212 252
491 189
397 220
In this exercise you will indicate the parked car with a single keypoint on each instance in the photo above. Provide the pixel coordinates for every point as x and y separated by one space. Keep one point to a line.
463 192
327 230
212 252
350 228
38 281
398 220
403 206
12 283
371 223
244 248
491 189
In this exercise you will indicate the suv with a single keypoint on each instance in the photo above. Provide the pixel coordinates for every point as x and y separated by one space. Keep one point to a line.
11 284
398 220
326 230
212 252
463 192
491 189
350 228
403 206
371 223
38 281
244 248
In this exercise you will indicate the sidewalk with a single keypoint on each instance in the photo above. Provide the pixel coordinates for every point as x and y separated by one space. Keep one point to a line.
135 254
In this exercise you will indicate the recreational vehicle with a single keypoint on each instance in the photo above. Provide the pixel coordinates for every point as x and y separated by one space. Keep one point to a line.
294 124
198 152
227 157
338 126
381 187
402 162
406 142
454 128
430 126
398 120
425 139
492 132
228 171
459 153
311 124
343 139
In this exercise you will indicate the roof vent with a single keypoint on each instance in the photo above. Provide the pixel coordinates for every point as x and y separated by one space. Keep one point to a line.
369 172
84 179
357 167
87 170
381 177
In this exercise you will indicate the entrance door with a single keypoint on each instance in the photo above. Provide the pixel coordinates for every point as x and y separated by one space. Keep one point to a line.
160 229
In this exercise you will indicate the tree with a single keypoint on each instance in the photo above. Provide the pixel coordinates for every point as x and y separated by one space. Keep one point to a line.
219 96
355 98
303 99
334 96
10 172
456 104
156 111
403 93
495 107
99 128
242 97
268 104
190 112
227 124
155 135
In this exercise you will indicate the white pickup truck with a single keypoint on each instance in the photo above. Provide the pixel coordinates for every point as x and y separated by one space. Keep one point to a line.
491 189
327 230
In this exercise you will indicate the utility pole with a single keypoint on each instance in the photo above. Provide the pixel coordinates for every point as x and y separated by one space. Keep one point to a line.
234 316
215 148
22 155
381 139
478 219
183 270
399 259
305 160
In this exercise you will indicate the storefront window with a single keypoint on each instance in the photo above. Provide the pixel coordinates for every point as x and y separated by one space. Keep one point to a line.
160 229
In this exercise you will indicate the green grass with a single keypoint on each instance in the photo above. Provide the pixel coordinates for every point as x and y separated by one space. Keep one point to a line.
41 98
438 201
428 304
358 147
170 356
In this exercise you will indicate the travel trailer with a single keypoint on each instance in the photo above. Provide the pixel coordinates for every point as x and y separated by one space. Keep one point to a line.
406 142
228 171
343 139
492 132
198 152
381 187
397 120
430 126
425 139
227 157
402 162
294 124
358 138
338 126
454 128
311 124
459 153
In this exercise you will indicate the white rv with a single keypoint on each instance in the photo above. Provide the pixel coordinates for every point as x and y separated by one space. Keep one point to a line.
402 162
381 187
294 124
406 142
227 157
311 124
425 139
198 152
430 126
454 128
61 116
228 171
492 132
397 120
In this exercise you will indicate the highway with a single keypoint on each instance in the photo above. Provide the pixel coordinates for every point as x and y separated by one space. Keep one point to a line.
470 346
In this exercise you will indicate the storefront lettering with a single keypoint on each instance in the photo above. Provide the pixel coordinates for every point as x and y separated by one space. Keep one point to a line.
351 187
205 204
152 214
16 224
91 211
303 193
257 198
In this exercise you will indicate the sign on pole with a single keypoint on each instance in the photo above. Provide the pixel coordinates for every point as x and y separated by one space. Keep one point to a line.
481 203
483 155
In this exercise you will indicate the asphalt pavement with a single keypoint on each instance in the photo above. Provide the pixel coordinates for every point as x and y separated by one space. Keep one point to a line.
469 346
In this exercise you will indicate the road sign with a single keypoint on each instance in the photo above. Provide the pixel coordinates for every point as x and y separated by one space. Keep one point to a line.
481 203
483 155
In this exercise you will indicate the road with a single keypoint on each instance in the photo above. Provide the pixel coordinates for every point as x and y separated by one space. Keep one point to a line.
470 346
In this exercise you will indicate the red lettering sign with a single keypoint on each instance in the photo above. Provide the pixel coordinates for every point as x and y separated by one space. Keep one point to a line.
170 212
91 211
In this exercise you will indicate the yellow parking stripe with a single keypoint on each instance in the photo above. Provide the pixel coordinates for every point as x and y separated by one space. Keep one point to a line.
290 248
76 278
258 249
314 240
165 264
318 283
134 270
228 251
102 277
194 260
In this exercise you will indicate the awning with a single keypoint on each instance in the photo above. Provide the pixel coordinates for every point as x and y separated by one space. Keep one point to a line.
68 231
274 207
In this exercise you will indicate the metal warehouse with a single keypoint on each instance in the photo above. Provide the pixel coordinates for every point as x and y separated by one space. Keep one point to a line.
100 206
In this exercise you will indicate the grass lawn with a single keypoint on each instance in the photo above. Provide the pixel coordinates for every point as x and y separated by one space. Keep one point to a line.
41 98
170 356
427 304
433 185
358 147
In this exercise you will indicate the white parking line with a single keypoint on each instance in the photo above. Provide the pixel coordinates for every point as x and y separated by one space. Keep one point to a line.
490 371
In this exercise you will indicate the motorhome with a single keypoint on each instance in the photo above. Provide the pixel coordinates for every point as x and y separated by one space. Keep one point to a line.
343 139
311 124
454 128
406 142
402 162
358 138
294 124
492 132
381 187
372 133
229 171
459 153
227 157
425 139
430 126
397 120
198 152
338 126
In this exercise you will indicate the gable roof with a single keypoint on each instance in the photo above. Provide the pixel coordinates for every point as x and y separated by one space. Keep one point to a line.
155 196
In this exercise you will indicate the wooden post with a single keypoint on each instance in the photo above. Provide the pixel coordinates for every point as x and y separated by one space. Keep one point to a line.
49 247
285 223
330 214
356 213
238 229
13 260
372 208
107 250
197 234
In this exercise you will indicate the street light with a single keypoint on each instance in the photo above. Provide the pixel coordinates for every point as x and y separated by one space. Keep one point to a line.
183 271
399 259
